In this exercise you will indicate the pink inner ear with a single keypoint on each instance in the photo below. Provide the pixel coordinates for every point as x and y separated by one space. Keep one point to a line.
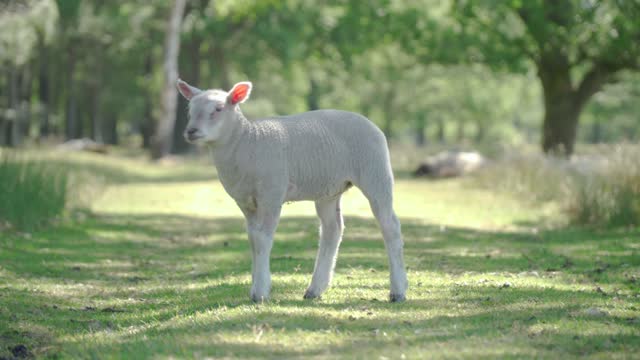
239 93
185 90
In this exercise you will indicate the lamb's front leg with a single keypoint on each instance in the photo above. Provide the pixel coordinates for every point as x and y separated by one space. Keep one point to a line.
331 227
261 226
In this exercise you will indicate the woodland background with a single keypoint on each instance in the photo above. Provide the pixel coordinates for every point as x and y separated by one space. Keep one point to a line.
458 72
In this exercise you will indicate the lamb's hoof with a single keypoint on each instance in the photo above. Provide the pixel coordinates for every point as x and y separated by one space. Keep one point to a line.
310 295
397 297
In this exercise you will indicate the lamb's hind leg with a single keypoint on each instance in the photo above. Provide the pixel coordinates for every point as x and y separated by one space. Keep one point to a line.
331 227
379 193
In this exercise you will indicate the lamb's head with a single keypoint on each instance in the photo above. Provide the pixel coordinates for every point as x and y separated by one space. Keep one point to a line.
212 112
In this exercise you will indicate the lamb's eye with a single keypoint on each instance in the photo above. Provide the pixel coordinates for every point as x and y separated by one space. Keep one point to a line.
219 108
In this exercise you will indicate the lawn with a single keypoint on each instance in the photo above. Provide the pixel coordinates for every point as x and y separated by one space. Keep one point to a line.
158 266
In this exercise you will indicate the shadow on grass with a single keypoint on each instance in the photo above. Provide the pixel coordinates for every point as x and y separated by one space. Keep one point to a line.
178 285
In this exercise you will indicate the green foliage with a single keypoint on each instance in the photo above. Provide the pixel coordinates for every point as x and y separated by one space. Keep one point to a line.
576 47
23 28
435 67
31 192
69 11
614 114
587 33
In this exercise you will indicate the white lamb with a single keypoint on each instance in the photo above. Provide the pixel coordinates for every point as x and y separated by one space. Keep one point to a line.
316 156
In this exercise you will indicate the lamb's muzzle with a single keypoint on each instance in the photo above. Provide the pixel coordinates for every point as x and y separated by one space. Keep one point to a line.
192 134
313 156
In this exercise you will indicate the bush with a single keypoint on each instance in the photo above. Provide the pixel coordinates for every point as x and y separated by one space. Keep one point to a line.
599 189
31 193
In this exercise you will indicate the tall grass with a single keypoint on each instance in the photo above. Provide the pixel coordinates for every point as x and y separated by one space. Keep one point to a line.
611 194
31 192
602 188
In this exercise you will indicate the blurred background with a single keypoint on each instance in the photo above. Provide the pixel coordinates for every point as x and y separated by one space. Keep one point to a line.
462 73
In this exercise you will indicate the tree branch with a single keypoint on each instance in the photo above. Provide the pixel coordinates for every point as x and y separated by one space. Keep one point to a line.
592 82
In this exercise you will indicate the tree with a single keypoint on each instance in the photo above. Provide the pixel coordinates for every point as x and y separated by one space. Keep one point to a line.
24 27
576 46
164 129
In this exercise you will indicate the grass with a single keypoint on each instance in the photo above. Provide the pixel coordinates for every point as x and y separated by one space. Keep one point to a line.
611 196
32 193
159 268
600 189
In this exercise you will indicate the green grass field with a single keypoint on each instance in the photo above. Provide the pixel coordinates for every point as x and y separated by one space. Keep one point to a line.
159 267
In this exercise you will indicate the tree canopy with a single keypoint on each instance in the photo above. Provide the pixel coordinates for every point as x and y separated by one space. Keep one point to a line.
576 46
457 71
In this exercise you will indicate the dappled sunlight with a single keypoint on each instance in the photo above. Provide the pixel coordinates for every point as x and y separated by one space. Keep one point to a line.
322 323
60 252
170 273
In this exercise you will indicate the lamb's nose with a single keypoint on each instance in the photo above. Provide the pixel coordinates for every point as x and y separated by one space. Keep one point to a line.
191 131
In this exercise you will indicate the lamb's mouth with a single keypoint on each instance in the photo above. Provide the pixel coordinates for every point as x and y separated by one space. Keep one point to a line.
193 138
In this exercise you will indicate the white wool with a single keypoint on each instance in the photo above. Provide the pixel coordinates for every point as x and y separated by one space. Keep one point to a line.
309 156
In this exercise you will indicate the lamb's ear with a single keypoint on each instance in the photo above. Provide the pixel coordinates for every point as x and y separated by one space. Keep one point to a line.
187 90
239 93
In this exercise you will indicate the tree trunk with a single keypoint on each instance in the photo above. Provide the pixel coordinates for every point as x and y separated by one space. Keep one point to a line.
26 87
71 111
57 102
179 144
96 115
388 113
12 124
387 128
313 98
563 102
164 131
440 133
481 131
420 138
95 100
217 53
146 127
110 128
192 76
43 92
560 124
3 113
420 128
460 133
596 132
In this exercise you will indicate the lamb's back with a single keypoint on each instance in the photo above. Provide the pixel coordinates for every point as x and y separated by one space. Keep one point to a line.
324 149
331 125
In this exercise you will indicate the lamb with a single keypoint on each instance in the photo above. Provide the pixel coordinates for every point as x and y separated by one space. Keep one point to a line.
315 156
